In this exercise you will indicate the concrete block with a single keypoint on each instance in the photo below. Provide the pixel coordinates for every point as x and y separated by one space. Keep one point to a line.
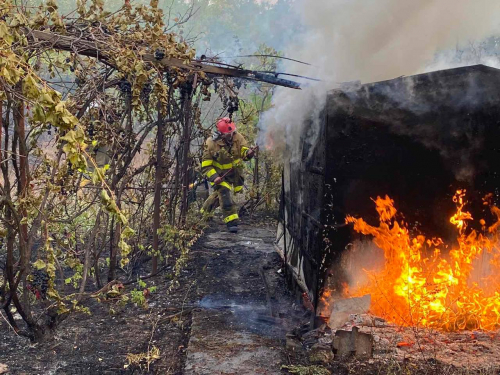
343 308
363 344
353 343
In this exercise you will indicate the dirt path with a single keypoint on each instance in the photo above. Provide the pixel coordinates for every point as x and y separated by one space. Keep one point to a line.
244 310
228 316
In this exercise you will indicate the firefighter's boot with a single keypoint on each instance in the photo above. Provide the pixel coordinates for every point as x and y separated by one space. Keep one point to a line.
232 226
229 209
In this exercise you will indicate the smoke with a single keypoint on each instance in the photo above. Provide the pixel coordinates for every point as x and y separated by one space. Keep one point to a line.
359 260
367 40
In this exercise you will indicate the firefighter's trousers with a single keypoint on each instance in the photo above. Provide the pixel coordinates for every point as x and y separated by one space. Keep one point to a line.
222 196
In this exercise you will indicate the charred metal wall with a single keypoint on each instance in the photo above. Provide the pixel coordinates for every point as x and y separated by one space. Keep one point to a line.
300 230
417 139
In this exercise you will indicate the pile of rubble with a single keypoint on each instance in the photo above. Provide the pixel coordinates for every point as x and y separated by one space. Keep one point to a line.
351 332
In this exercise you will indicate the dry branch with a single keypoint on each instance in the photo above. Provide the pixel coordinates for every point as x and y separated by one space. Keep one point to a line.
95 49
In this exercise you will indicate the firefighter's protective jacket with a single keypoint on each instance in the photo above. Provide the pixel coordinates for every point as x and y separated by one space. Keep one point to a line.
219 158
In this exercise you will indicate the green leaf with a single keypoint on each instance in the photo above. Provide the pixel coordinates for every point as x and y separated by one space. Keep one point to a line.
47 98
69 137
60 107
96 178
4 30
51 269
122 218
104 196
127 232
39 264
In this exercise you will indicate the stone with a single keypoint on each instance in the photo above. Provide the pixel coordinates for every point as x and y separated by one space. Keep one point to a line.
364 345
358 319
366 320
320 354
343 344
379 322
481 336
310 338
385 342
293 344
349 343
326 340
4 369
343 308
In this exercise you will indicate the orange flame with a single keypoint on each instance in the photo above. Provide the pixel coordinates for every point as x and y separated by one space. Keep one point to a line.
325 302
421 286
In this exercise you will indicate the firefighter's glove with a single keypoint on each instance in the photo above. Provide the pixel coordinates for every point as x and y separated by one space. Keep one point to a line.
218 181
250 154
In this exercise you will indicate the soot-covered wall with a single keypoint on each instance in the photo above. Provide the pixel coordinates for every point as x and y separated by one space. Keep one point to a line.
417 139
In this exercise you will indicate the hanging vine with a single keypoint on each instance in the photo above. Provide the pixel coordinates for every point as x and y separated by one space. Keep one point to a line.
77 158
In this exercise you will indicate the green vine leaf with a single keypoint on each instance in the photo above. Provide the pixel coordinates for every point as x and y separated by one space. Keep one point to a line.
39 264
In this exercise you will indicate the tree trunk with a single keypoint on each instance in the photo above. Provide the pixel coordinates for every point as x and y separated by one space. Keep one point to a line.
112 251
186 144
158 181
88 249
24 246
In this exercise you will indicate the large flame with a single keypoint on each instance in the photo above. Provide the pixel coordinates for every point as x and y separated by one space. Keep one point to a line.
421 285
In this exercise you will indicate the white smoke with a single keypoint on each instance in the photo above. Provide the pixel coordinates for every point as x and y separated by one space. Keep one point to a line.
369 40
360 259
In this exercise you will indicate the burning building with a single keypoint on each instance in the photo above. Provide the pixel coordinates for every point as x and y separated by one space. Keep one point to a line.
397 198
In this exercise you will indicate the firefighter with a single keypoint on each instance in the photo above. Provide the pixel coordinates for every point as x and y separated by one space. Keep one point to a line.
222 163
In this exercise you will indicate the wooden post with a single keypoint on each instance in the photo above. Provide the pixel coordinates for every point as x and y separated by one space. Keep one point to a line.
158 179
1 129
256 179
23 162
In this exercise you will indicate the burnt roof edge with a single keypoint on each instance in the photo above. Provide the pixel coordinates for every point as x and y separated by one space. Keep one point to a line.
357 85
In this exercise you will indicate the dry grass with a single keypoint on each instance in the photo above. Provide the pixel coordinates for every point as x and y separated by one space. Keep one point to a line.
394 366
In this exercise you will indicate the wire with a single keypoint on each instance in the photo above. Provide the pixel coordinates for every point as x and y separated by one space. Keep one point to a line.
288 74
274 56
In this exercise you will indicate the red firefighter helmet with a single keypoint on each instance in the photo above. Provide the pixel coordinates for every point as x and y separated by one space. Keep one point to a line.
225 126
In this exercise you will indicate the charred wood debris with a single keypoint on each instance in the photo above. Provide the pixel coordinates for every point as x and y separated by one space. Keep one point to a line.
87 45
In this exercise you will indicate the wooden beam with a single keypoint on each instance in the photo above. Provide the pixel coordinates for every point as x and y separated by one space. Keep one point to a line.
97 50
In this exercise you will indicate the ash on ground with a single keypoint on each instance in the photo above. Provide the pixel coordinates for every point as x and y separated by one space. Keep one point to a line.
419 350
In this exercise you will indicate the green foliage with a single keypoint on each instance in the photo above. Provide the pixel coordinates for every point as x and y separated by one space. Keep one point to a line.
267 179
306 370
138 296
89 212
75 264
181 240
76 207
